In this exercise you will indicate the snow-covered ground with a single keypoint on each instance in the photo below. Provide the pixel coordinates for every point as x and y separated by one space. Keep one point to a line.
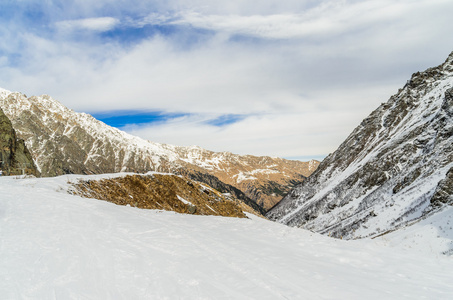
57 246
433 235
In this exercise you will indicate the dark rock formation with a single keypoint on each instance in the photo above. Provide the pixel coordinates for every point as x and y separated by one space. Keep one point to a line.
444 191
15 159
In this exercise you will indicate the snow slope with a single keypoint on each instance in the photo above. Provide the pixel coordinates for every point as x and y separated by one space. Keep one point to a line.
394 168
431 235
58 246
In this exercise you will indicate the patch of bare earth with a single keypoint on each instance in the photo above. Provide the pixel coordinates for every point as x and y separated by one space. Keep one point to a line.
165 192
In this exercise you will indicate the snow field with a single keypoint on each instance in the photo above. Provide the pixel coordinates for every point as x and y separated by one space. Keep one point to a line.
57 246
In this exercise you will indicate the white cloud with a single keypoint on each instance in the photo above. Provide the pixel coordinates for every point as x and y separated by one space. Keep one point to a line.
307 76
329 18
3 61
315 130
283 135
94 24
282 26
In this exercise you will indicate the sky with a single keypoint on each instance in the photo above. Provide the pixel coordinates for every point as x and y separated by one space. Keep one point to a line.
280 78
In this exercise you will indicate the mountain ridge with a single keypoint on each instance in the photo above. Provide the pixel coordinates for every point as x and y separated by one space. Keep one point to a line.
63 141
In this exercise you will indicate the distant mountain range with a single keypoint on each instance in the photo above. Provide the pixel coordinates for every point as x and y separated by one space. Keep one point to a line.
62 141
394 169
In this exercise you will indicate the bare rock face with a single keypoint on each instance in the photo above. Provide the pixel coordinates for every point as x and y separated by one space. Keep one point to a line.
63 142
394 168
15 159
444 191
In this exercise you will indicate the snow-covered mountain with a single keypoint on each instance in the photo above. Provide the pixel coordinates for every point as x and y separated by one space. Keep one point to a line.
396 167
54 245
63 141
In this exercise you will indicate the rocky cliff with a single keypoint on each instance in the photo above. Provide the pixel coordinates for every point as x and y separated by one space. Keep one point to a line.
62 141
15 159
395 168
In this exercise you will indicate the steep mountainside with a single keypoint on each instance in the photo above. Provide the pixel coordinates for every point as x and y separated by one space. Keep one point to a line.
395 168
63 142
15 159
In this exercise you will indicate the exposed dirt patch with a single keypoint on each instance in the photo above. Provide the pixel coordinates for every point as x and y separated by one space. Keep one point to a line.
166 192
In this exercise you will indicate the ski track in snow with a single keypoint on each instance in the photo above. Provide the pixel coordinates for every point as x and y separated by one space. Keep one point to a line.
57 246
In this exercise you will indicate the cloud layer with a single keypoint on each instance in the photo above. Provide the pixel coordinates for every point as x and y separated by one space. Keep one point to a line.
300 74
96 24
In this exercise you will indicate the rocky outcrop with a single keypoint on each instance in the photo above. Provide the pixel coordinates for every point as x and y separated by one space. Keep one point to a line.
220 186
163 191
444 191
393 169
64 142
15 159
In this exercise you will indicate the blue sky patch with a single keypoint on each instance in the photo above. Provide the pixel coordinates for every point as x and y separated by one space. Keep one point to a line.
225 120
132 35
122 118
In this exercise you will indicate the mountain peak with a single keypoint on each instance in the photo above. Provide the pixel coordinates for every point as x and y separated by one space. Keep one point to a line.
450 57
4 93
